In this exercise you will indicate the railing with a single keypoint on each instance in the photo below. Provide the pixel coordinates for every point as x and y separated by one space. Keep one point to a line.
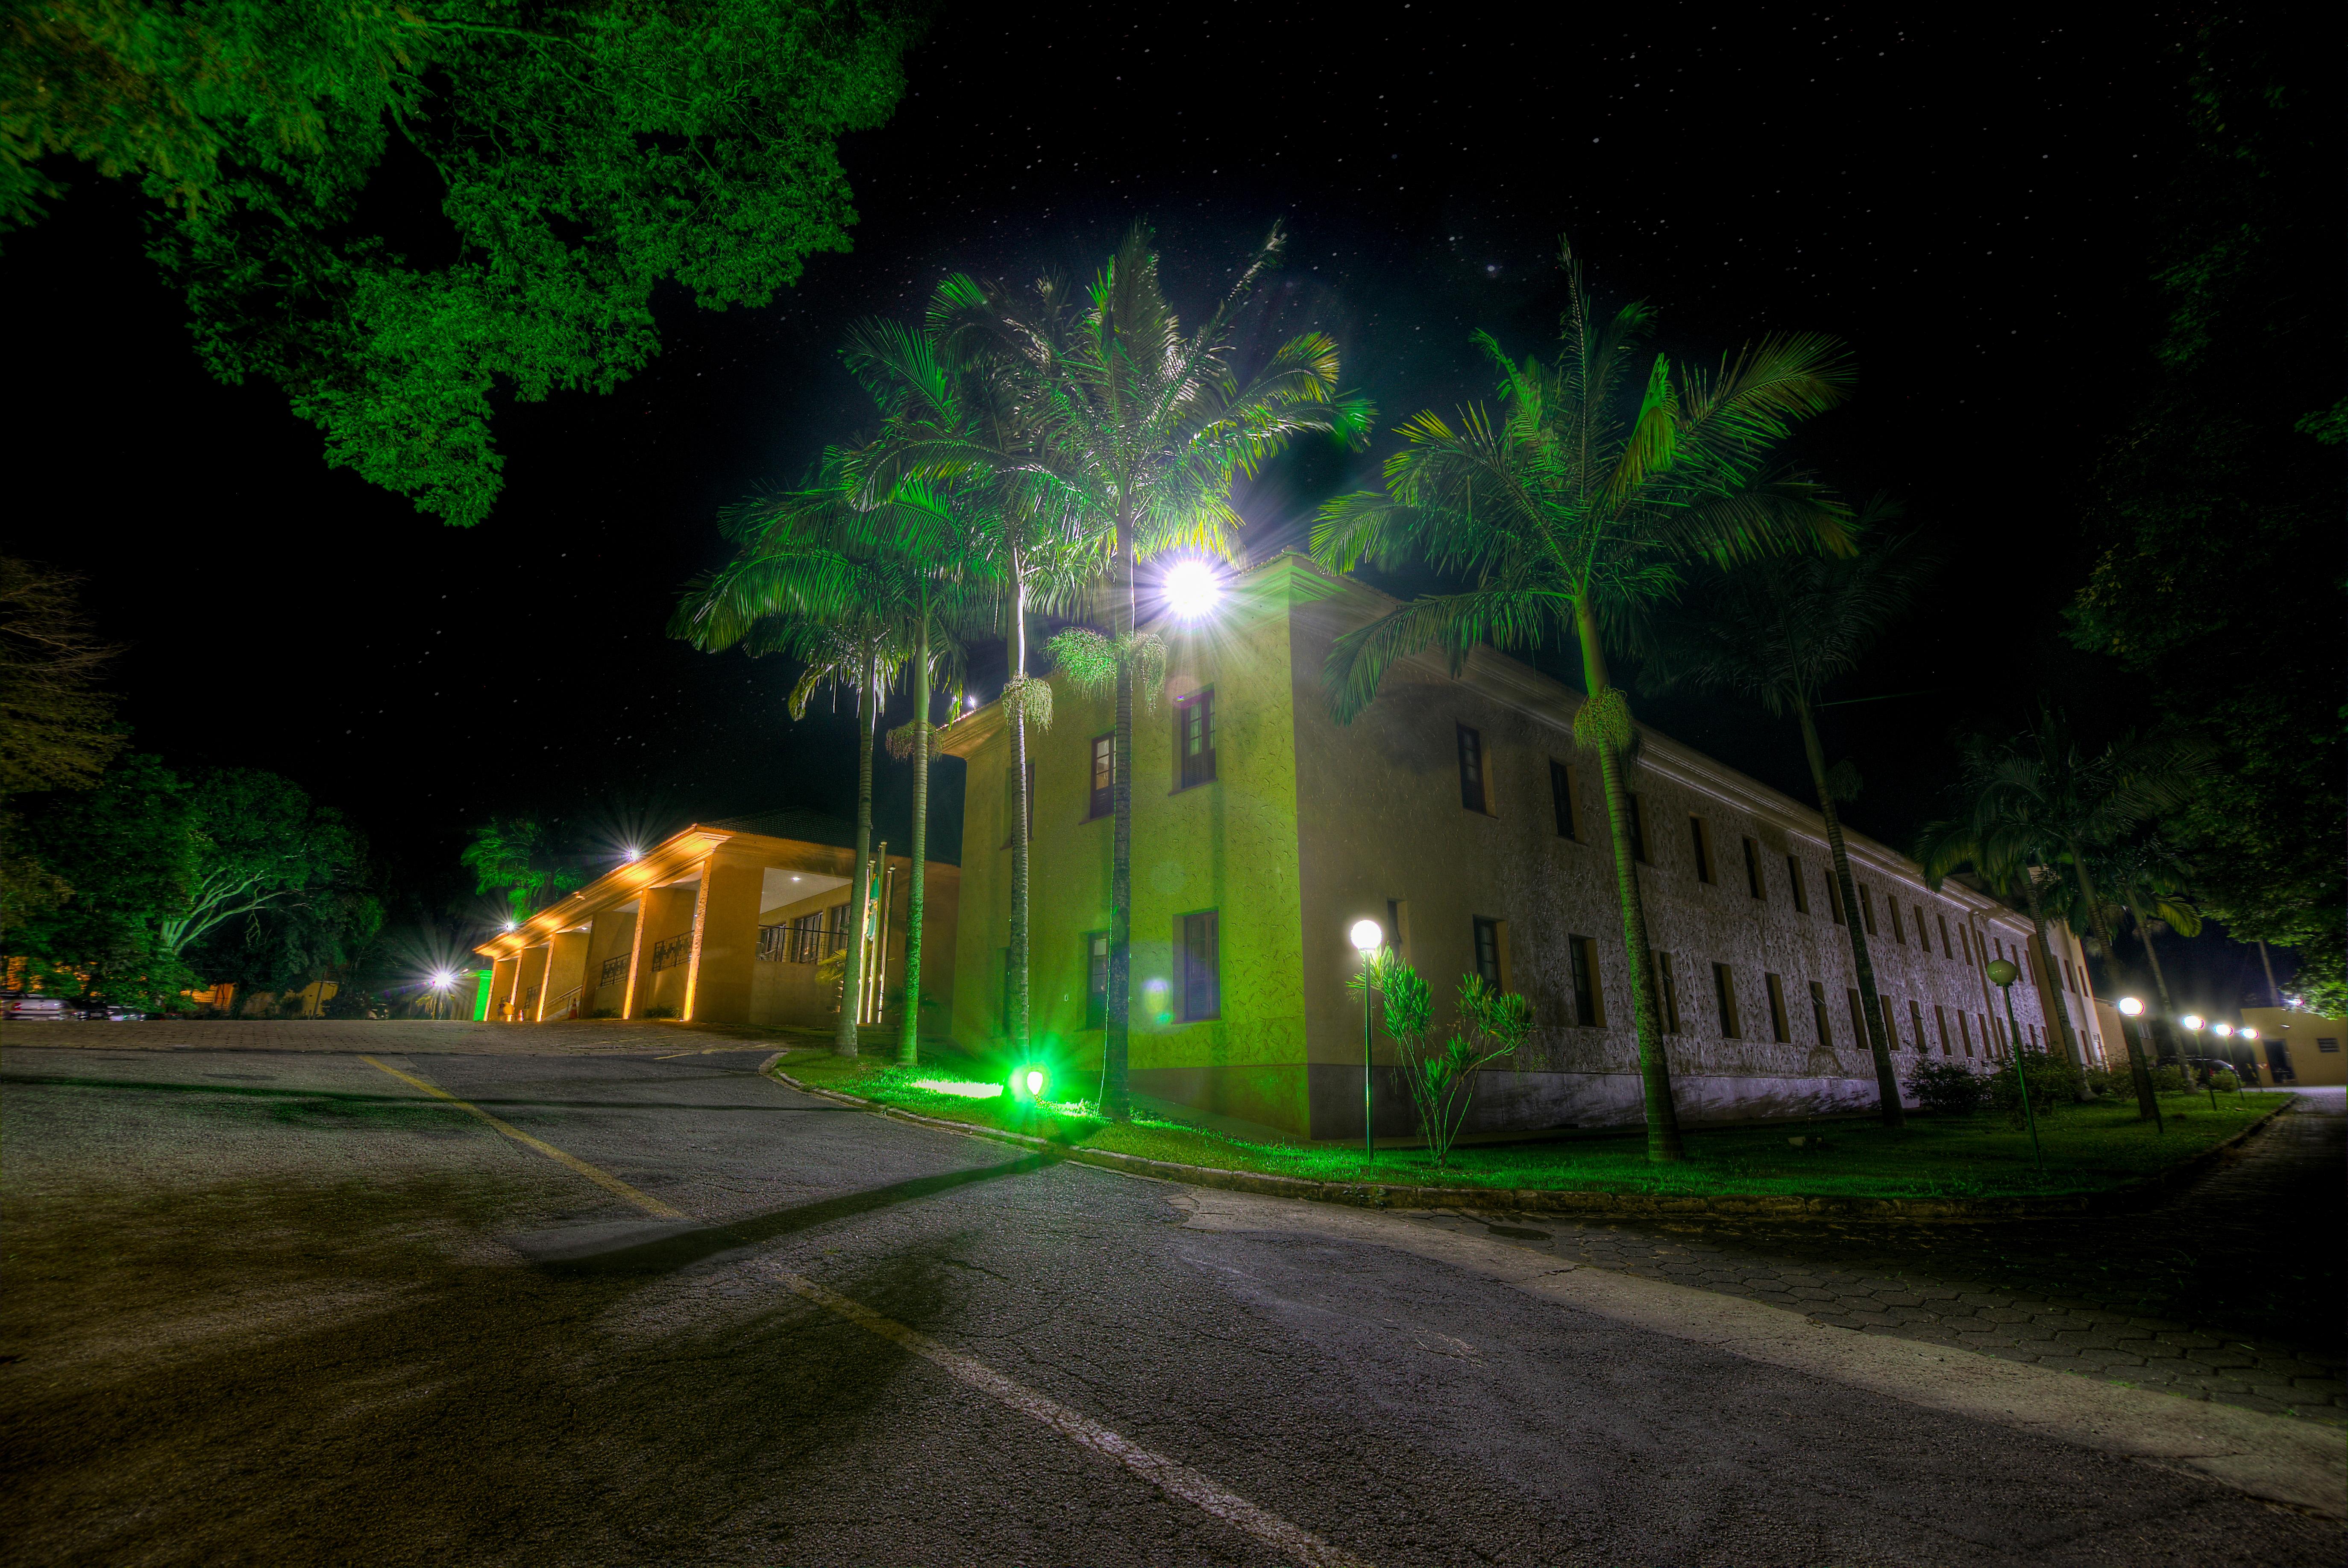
565 1005
615 970
801 943
670 950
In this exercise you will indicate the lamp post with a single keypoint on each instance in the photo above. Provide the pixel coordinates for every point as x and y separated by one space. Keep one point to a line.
2003 974
2251 1036
2131 1009
2194 1024
1366 936
2225 1033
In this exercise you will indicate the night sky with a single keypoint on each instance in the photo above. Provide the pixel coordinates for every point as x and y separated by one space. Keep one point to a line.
1966 203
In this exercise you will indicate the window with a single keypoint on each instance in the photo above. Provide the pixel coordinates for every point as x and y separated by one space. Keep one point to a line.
1194 738
1561 794
1834 896
1589 1006
1857 1017
1966 1030
1753 869
1940 1017
1472 792
1667 994
1104 777
1819 1014
1898 936
1916 1025
1703 842
1638 830
1488 953
1096 979
1923 932
1203 984
1779 1030
1867 907
1724 991
1946 951
1794 880
2327 1043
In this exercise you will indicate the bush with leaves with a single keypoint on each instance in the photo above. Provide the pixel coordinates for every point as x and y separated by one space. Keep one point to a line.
1950 1089
2051 1078
1441 1078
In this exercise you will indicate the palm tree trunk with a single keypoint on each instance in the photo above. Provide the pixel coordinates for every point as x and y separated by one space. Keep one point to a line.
2071 1048
908 1041
1878 1037
2159 980
2147 1109
1655 1064
852 988
1015 715
1116 1094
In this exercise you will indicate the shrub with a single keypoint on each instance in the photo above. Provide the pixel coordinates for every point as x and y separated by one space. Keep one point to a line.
1950 1088
2050 1077
2170 1080
660 1012
605 1013
2225 1083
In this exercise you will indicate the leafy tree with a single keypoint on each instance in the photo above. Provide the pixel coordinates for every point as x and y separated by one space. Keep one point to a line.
514 856
2216 511
2014 845
124 852
581 151
1570 517
257 843
2082 803
57 730
1780 630
2146 877
1137 428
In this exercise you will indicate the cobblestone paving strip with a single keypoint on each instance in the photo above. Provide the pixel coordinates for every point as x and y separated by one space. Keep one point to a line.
592 1037
2232 1293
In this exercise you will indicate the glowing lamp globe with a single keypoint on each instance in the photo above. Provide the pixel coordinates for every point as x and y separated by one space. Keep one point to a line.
2131 1007
2249 1034
443 980
1034 1079
1366 935
2223 1031
1191 589
2191 1021
2002 972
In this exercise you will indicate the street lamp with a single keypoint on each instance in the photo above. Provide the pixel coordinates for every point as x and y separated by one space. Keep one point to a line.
2002 975
2224 1032
2249 1038
2132 1008
1366 937
1192 588
2194 1024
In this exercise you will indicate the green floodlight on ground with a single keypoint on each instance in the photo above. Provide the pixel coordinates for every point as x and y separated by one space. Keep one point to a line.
1034 1079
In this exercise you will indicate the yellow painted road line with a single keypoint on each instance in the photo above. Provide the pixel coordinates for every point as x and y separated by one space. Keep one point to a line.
1171 1476
602 1178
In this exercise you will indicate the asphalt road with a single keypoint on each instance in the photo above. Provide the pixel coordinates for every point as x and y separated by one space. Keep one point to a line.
267 1308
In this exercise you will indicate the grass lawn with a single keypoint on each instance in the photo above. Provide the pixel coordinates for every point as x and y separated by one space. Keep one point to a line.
2088 1148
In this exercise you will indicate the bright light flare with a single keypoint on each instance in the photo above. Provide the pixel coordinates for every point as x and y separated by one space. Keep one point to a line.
2191 1021
513 925
1034 1079
1365 935
1191 589
966 1090
629 855
443 980
2224 1031
2131 1007
2249 1034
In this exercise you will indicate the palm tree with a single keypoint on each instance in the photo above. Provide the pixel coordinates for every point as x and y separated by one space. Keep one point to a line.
1570 517
1779 630
2001 833
1135 429
979 519
2083 803
2149 881
793 589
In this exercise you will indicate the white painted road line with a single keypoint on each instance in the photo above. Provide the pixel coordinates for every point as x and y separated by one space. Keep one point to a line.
1169 1476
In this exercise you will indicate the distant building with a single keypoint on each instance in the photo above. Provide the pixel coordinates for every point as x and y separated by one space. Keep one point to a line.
1459 813
729 922
2293 1049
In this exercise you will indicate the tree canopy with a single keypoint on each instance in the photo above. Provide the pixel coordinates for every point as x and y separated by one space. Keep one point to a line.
581 153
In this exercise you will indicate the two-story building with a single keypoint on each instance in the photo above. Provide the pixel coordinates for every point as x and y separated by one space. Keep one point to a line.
1459 813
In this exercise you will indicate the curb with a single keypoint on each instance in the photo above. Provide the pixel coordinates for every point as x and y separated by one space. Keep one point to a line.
1596 1205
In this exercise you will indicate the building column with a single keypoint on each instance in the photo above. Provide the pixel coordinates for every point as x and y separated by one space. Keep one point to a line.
611 934
724 939
566 962
530 975
662 913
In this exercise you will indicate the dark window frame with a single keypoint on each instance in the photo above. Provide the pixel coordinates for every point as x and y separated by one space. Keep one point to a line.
1561 794
1589 997
1096 950
1474 771
1753 883
1821 1019
1781 1026
1490 967
1192 768
1700 836
1794 880
1724 997
1197 938
1667 993
1101 798
1638 829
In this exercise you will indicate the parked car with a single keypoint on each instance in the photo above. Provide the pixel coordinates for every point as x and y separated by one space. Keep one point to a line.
108 1013
31 1007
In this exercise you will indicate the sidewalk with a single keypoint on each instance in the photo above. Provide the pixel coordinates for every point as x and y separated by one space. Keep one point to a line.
587 1037
2232 1293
